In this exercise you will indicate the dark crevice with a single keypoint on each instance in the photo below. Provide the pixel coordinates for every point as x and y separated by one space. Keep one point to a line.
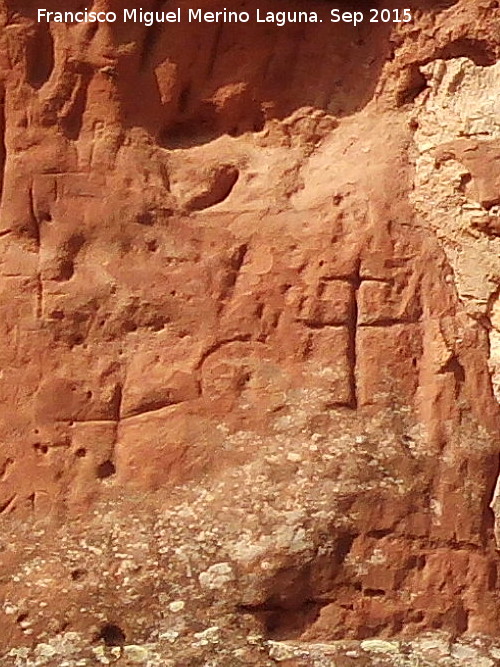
379 534
416 562
105 470
8 504
92 31
69 253
72 122
40 56
374 592
112 635
152 404
414 84
284 623
477 50
233 268
116 402
151 38
211 60
3 150
343 546
465 180
454 367
355 281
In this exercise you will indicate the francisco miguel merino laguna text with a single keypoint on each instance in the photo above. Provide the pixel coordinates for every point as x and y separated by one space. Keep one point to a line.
148 18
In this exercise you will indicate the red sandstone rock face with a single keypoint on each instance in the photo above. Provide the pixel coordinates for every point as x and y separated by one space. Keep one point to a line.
239 367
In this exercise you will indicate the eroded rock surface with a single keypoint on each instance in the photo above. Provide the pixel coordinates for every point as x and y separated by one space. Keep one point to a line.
250 340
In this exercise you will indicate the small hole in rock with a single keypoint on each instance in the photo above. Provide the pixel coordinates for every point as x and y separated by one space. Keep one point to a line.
77 340
81 452
78 574
112 635
374 592
106 469
465 180
41 449
145 218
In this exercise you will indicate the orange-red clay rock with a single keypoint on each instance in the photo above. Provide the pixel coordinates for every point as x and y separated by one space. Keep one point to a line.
241 387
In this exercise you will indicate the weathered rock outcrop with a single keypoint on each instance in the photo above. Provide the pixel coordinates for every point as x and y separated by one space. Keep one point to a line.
249 337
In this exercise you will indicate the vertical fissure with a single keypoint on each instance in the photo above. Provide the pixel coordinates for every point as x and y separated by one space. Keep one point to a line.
3 149
352 339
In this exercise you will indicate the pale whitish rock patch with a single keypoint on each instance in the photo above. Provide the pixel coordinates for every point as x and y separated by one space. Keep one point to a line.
281 652
245 551
170 636
432 647
136 654
45 651
293 539
495 346
461 101
209 636
176 606
217 576
378 646
469 655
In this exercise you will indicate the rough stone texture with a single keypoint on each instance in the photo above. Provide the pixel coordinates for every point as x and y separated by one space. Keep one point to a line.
250 332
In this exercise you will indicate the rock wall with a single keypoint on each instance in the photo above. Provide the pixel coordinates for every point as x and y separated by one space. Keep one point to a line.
249 335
